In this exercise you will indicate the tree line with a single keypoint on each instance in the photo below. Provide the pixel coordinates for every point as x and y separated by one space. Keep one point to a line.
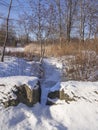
58 19
63 19
55 21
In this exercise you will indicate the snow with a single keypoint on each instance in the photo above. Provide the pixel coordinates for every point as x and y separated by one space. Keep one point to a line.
8 84
17 49
18 81
18 67
78 90
13 49
55 87
77 115
60 117
51 77
15 71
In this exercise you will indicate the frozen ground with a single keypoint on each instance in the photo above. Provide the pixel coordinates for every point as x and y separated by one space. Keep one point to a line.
13 49
77 115
52 75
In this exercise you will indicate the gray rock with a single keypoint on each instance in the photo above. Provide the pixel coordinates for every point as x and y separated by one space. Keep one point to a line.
25 95
58 94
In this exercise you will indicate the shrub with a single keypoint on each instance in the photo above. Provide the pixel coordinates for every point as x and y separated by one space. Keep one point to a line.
81 66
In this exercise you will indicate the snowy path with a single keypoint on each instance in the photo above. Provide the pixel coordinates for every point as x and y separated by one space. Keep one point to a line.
51 77
81 114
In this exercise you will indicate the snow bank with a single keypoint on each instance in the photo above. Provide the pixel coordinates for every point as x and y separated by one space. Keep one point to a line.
7 85
74 90
13 66
14 49
81 114
18 81
75 116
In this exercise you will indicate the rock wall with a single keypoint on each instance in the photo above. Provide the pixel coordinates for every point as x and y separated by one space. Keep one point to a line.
60 94
25 95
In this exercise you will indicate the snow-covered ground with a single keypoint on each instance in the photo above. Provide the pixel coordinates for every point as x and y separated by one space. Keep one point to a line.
77 115
52 75
13 49
18 67
7 85
16 49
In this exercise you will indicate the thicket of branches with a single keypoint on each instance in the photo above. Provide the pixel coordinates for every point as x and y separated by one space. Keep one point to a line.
54 21
60 19
57 19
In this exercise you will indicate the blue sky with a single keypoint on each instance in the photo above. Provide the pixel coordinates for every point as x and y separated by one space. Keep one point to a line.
18 7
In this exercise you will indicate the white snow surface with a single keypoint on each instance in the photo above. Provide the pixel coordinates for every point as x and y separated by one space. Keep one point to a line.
77 115
16 72
18 81
79 90
7 84
18 67
13 49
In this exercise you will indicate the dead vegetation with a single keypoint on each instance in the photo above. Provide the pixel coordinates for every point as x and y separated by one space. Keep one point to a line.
72 48
82 66
82 61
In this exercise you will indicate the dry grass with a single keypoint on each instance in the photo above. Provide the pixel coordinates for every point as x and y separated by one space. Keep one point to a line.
82 66
72 48
82 63
52 50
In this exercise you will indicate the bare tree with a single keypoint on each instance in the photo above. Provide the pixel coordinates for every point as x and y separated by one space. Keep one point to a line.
36 22
6 37
69 19
24 26
70 11
82 19
51 20
58 3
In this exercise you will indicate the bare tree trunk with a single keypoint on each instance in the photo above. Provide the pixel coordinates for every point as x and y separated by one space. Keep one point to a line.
6 37
60 23
82 21
58 3
69 20
89 35
39 32
39 29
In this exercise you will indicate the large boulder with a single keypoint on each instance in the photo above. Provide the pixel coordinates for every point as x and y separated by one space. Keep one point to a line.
25 90
72 91
28 96
57 94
